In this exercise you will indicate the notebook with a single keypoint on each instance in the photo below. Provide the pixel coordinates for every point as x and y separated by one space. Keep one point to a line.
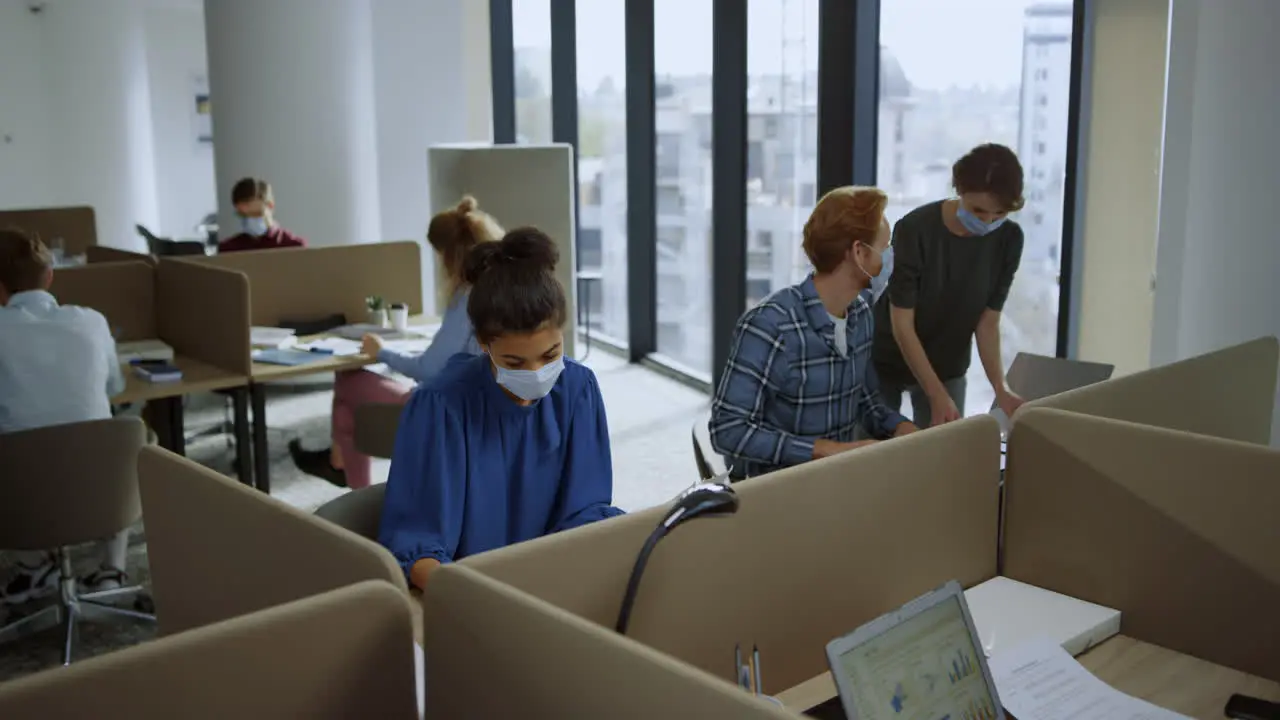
290 357
156 371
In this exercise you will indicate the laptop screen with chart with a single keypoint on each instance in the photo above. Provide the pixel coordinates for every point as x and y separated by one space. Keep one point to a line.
920 663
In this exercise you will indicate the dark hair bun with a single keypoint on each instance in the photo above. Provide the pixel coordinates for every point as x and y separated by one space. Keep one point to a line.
524 248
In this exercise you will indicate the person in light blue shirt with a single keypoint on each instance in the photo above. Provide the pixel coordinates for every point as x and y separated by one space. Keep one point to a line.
452 234
507 446
57 366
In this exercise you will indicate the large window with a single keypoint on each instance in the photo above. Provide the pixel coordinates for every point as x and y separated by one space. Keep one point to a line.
683 127
951 75
966 77
782 140
602 167
531 42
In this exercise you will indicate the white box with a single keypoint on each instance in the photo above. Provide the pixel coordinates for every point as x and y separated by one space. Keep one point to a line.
1008 613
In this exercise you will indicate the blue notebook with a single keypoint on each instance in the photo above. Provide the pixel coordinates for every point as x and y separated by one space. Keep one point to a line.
273 356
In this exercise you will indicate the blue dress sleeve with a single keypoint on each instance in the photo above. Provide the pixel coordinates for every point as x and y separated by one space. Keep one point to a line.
455 336
586 487
426 491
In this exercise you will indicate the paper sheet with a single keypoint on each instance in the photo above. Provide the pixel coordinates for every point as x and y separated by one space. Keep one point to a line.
336 346
1040 681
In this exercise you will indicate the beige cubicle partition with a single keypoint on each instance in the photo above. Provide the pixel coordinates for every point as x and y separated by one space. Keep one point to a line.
496 652
342 654
313 283
1227 394
124 292
812 553
1177 531
203 312
219 549
75 226
95 254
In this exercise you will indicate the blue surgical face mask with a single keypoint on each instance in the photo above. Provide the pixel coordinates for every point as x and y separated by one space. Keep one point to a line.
974 224
256 226
880 282
530 385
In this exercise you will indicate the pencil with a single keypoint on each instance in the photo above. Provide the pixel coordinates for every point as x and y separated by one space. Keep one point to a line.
737 664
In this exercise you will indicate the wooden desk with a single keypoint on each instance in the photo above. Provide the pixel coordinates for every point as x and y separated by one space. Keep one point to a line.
261 373
1178 682
165 398
1174 681
196 377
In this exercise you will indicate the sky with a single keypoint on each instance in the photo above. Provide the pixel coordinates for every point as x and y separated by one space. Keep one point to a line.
939 43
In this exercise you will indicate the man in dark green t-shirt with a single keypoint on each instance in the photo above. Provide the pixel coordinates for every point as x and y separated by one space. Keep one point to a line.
954 261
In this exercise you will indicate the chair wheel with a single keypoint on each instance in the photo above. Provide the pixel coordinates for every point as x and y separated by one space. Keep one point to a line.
145 604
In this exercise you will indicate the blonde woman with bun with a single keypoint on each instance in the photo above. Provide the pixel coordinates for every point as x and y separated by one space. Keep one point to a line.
452 234
800 383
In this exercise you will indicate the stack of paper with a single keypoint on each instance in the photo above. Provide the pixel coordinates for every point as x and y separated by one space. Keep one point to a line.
332 346
1008 613
127 352
271 337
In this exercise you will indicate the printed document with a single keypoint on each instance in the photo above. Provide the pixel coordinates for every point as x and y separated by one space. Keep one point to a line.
1040 681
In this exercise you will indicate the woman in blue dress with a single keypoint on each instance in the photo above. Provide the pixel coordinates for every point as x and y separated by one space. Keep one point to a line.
506 446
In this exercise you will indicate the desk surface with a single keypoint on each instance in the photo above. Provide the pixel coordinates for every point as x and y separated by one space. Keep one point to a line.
266 372
196 377
1174 681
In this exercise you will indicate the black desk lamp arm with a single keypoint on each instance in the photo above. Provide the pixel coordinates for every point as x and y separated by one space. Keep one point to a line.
637 572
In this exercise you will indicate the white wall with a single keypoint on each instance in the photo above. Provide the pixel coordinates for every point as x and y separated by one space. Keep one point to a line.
427 59
1219 253
176 57
25 170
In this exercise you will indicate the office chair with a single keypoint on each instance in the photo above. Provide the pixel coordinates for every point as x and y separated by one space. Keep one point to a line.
360 511
164 247
66 485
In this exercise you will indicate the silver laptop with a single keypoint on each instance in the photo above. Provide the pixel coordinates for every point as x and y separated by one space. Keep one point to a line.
921 662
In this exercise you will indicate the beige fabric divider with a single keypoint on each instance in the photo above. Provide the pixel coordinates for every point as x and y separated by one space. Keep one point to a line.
343 654
95 254
495 652
813 552
1177 531
1226 394
219 549
203 312
310 283
76 225
125 292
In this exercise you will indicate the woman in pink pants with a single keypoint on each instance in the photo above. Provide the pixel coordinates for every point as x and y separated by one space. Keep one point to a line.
452 234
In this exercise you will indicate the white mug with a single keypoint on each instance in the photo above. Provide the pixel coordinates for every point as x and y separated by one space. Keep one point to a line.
399 317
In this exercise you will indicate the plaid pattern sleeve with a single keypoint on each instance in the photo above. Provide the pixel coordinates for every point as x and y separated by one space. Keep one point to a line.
756 371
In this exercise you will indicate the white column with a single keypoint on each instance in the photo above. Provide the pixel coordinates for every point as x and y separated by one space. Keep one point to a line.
425 69
291 83
99 114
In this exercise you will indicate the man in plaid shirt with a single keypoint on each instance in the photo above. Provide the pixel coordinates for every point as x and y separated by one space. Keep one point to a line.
800 381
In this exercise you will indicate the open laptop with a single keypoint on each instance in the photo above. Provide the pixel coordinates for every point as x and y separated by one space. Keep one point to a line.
1038 376
923 661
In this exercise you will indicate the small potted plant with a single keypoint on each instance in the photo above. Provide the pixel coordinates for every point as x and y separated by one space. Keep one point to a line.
377 310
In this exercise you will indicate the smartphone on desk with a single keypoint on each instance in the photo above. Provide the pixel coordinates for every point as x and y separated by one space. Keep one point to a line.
1243 707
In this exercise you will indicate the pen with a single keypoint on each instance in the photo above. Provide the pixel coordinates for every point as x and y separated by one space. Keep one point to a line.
755 661
320 350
